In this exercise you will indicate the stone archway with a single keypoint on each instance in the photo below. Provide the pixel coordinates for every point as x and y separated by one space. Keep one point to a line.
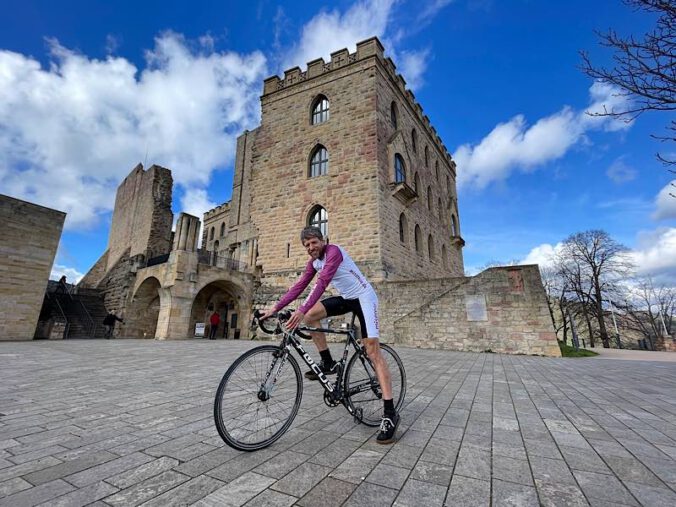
144 309
228 300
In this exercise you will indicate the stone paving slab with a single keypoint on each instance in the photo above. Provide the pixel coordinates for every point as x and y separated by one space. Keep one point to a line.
129 422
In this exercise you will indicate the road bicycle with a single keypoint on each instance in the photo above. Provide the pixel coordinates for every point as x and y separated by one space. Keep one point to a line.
260 394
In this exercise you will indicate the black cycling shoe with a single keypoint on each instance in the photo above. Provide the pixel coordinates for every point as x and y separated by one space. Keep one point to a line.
327 369
387 428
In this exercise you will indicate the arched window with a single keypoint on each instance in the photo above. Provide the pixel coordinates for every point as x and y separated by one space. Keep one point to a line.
399 169
319 163
418 239
429 198
211 233
320 110
430 247
436 170
416 183
403 228
393 115
441 209
216 245
414 140
444 256
319 218
454 226
427 160
223 229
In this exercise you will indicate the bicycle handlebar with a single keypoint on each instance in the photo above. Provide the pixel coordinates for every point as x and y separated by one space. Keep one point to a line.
282 316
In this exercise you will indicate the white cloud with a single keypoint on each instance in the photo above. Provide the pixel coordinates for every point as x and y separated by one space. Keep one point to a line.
72 274
331 31
195 202
515 145
665 204
655 253
621 172
70 133
430 10
544 255
412 65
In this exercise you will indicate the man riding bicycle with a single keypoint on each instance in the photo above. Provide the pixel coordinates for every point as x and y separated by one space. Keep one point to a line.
356 295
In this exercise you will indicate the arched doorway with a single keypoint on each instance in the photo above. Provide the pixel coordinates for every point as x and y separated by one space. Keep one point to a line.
144 310
225 298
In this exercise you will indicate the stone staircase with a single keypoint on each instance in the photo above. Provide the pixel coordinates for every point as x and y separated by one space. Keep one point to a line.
80 314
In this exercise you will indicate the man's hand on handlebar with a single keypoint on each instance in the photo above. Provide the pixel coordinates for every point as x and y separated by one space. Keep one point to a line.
267 314
295 320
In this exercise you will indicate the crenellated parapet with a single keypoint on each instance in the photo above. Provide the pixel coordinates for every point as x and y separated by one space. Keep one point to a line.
366 49
218 210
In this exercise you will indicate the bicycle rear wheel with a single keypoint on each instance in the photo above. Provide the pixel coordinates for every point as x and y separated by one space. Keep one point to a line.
249 417
362 388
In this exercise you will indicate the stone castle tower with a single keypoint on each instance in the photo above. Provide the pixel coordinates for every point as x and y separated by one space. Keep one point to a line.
343 145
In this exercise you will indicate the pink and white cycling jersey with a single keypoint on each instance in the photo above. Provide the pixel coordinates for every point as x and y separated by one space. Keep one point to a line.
336 267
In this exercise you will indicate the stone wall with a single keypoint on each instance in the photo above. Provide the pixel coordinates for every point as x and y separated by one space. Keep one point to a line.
501 310
430 174
96 273
29 239
142 217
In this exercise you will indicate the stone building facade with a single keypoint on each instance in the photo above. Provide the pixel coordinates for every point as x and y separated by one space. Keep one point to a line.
28 242
344 146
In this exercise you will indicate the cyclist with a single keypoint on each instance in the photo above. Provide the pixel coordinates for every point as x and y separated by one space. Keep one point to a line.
356 295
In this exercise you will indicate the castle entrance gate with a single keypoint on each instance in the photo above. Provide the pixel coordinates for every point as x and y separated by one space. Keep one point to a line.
225 298
142 313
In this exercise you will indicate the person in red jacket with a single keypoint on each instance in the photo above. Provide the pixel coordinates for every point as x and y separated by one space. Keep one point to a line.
214 320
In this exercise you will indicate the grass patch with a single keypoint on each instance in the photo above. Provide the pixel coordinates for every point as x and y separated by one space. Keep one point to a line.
568 351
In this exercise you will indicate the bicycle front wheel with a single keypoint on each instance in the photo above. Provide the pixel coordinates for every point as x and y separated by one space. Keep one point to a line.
362 388
258 398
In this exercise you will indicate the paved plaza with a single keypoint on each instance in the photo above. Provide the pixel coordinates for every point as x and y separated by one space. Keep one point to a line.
129 422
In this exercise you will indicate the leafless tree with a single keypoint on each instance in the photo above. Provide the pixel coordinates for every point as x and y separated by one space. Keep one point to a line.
649 309
644 69
557 289
593 263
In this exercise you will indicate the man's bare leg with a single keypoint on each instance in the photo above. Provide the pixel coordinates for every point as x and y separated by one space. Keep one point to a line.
313 318
382 371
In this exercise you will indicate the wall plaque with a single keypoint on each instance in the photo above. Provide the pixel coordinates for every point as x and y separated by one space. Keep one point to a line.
476 307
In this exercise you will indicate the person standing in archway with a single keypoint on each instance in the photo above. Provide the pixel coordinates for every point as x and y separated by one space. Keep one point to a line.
214 320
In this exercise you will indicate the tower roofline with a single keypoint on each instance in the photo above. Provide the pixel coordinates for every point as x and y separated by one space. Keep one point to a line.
366 49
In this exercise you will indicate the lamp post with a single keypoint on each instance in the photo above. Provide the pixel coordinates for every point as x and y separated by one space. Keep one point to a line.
617 332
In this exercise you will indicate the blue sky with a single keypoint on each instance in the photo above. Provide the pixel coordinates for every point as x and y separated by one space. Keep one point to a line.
88 89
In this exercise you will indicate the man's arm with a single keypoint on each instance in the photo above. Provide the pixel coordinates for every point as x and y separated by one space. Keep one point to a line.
333 260
297 288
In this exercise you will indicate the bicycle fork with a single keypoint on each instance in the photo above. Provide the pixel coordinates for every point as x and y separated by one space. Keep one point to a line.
274 370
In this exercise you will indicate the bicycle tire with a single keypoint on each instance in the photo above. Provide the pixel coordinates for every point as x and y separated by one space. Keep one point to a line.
362 389
240 426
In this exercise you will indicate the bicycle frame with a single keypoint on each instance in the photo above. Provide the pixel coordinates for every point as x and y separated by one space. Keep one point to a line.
333 389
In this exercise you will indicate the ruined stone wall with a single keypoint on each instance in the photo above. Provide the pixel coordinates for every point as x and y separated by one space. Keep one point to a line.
516 318
142 217
117 282
28 242
435 187
96 273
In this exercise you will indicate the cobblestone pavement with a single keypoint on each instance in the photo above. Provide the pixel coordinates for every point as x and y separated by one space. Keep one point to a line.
128 422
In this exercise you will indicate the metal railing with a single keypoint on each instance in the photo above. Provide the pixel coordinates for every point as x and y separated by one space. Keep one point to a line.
220 261
92 325
53 299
